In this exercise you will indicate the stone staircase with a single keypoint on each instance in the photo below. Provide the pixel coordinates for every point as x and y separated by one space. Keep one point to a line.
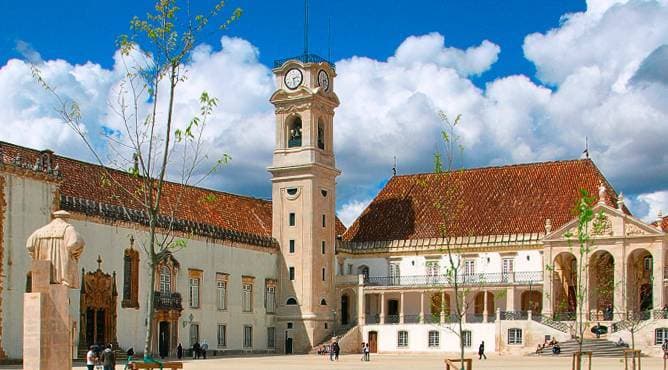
598 347
344 334
548 321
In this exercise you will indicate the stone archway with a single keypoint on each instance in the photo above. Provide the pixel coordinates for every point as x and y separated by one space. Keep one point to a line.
532 300
479 303
639 281
564 285
601 284
97 308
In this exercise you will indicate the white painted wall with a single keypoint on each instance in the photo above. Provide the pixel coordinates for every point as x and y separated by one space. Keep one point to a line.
418 337
29 208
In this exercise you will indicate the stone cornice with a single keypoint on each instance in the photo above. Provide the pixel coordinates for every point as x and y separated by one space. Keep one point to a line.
486 243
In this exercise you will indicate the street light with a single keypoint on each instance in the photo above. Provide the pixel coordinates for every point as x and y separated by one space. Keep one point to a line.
334 313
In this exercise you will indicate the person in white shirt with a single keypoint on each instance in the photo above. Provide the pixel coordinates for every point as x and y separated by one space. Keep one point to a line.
90 359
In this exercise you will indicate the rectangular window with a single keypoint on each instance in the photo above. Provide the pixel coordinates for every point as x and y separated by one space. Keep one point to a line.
292 273
292 219
195 280
323 221
432 272
469 267
271 337
221 291
270 299
467 339
247 297
402 339
433 338
323 274
350 269
514 336
222 335
292 246
248 336
394 274
507 269
660 335
194 334
322 247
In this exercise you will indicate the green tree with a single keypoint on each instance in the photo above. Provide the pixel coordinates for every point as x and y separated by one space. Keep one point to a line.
151 141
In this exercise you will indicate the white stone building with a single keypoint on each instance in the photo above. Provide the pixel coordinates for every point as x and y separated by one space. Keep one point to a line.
285 275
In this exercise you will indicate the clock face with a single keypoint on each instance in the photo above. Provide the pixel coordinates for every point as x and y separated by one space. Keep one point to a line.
323 80
293 78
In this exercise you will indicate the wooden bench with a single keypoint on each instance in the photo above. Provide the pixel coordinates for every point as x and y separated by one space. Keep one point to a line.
452 363
153 365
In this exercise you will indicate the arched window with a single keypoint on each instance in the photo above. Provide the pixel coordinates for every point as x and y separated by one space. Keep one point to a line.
323 302
363 270
295 132
165 280
291 301
321 135
130 278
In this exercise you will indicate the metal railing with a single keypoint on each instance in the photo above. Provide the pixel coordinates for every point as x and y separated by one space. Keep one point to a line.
392 319
564 316
304 58
372 319
486 279
475 318
412 319
167 301
514 315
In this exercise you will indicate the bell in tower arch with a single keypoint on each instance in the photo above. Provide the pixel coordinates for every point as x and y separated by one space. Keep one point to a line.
295 132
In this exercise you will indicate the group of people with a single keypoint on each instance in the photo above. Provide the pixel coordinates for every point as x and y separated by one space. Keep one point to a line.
556 348
96 356
199 350
365 352
334 351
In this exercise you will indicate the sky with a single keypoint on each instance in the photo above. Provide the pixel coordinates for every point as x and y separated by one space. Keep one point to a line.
531 80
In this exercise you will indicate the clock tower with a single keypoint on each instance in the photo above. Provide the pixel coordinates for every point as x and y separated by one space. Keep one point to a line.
304 197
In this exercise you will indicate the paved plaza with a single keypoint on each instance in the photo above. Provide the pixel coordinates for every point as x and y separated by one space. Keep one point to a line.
395 362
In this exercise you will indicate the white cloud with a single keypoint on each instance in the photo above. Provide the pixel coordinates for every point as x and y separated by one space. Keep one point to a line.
431 49
349 211
656 202
605 76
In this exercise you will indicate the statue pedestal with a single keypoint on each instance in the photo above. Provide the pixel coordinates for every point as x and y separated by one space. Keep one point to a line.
47 327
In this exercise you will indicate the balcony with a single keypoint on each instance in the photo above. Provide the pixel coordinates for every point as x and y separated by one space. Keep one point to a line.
167 301
446 280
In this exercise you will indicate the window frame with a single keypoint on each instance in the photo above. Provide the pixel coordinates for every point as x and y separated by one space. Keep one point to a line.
433 339
515 336
221 285
291 273
467 338
292 219
248 336
247 297
292 246
664 332
222 343
195 288
402 342
270 298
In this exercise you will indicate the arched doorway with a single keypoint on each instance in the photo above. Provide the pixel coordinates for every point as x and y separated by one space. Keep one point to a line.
345 309
601 284
479 303
639 281
97 308
532 300
564 282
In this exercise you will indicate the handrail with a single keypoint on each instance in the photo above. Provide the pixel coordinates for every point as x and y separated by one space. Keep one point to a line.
500 278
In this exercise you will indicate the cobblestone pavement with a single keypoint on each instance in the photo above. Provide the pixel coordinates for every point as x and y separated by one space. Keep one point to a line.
403 362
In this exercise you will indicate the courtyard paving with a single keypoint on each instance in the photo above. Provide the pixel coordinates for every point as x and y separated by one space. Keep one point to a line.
403 362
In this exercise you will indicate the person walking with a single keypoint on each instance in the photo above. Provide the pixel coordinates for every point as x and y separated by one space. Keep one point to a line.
481 351
367 352
90 358
337 350
108 358
205 347
363 352
179 351
664 347
331 351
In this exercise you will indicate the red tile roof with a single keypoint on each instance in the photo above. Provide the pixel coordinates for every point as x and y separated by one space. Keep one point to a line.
483 201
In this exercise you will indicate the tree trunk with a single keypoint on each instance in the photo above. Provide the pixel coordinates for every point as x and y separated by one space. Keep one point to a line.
150 303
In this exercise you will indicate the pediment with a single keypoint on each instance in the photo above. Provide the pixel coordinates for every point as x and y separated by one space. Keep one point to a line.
613 223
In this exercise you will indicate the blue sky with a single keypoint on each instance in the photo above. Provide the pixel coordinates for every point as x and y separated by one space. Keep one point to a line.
81 31
531 79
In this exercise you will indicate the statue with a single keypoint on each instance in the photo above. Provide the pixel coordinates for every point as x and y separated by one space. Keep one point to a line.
59 243
601 193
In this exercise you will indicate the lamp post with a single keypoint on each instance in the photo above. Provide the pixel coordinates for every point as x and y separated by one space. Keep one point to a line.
335 322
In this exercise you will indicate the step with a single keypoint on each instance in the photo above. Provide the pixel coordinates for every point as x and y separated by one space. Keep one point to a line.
598 347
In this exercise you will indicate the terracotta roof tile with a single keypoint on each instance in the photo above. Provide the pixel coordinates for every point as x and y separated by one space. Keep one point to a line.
483 201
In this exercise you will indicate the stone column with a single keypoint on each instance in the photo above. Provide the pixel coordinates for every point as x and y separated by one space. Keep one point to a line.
401 308
361 317
422 307
382 308
443 307
548 293
657 272
510 299
484 309
619 303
